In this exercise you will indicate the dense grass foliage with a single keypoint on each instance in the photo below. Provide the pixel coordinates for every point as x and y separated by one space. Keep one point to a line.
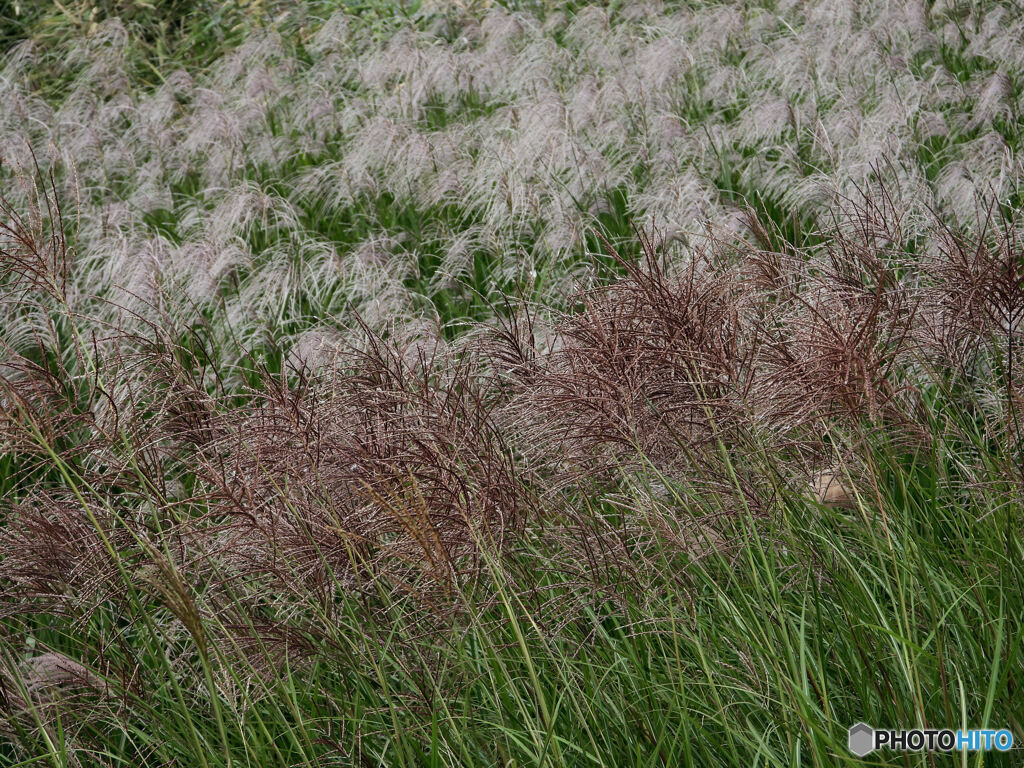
536 383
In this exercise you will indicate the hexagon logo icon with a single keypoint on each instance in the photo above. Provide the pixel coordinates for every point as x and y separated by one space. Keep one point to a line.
861 739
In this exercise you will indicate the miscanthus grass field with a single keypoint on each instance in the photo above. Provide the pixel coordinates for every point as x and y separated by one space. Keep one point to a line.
509 384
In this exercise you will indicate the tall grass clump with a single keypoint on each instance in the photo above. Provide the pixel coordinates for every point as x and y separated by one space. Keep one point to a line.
536 384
